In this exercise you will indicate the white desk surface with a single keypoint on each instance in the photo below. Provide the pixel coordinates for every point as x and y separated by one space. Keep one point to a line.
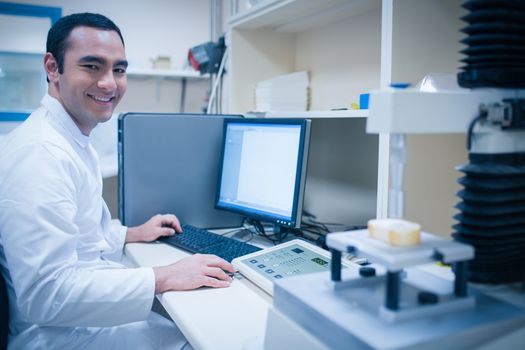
223 318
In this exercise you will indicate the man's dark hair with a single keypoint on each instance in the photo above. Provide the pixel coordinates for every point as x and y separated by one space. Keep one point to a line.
57 37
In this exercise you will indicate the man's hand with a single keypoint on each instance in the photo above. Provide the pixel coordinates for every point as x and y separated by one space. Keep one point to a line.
193 272
159 225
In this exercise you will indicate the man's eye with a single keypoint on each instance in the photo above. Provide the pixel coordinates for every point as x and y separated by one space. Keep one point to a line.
90 66
120 70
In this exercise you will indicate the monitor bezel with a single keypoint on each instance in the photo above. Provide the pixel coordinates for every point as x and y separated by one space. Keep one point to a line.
300 180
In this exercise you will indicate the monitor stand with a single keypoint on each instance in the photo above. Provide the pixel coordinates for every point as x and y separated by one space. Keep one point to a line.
278 232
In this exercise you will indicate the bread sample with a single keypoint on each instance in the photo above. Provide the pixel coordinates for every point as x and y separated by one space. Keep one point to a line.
396 232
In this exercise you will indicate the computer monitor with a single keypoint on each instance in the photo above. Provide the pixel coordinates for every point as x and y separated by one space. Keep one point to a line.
263 169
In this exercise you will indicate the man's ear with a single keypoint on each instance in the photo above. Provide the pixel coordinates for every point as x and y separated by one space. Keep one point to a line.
51 67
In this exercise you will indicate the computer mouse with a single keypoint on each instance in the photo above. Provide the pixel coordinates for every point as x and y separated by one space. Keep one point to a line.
231 274
235 274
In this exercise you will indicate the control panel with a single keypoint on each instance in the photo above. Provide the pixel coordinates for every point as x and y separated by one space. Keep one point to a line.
296 257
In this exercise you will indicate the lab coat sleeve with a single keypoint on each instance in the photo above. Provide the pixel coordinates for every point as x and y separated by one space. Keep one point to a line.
37 211
116 237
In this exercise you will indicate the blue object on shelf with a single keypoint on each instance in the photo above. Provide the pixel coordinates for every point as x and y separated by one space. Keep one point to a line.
363 101
400 85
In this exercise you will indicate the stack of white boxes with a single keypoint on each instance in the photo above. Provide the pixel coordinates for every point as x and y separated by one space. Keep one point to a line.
283 93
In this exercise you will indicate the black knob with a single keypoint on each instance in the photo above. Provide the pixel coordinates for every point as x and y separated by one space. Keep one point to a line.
367 271
427 298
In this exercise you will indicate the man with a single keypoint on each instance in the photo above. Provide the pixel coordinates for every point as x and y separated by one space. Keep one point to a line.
59 252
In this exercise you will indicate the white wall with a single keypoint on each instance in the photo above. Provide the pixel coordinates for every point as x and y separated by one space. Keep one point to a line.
150 27
346 65
23 34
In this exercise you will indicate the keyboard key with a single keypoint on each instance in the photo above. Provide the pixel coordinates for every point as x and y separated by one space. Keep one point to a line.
201 241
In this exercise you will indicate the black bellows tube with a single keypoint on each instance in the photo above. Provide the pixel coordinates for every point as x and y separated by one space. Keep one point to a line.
492 202
492 216
495 51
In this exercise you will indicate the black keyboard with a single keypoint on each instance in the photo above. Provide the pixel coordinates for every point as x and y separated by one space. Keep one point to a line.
196 240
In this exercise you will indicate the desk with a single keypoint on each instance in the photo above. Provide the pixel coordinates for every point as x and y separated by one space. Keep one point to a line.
223 318
230 318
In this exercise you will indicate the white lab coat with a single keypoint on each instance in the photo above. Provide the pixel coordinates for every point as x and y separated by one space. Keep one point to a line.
59 251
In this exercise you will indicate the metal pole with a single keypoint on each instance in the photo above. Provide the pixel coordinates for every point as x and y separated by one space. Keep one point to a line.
397 173
393 280
336 265
460 282
215 33
215 19
182 94
234 7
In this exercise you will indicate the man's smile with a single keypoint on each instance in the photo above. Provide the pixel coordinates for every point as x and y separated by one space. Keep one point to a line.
101 99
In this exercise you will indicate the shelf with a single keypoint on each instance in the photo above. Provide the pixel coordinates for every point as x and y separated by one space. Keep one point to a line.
351 113
164 73
355 46
290 16
417 112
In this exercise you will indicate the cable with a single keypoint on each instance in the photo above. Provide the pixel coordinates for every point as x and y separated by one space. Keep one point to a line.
311 230
217 80
246 228
470 131
260 231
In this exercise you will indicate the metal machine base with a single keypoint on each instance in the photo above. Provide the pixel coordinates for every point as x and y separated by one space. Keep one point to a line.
312 305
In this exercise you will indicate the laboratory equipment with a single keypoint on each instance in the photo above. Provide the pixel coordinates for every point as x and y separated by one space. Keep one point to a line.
400 297
206 58
404 306
490 108
416 305
292 258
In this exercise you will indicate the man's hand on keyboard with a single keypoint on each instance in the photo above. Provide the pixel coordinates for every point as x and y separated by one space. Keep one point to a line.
199 270
157 226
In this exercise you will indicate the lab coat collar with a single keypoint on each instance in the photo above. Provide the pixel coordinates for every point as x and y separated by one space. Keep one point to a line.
60 118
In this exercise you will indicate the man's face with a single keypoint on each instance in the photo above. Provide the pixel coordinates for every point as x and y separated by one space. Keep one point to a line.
94 76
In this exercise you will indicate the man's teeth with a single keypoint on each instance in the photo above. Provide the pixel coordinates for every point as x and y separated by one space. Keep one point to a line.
101 99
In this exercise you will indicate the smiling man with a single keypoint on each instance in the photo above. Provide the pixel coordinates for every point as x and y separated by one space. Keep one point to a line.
59 250
95 82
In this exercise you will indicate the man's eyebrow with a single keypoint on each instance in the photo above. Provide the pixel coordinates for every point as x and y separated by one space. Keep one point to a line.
92 59
122 63
102 61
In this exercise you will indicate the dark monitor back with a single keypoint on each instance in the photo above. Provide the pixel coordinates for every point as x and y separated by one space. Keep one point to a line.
169 163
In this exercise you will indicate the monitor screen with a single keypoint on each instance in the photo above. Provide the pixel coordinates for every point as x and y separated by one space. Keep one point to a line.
263 169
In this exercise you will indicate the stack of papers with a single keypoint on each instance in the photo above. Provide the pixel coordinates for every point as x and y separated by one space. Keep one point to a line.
283 93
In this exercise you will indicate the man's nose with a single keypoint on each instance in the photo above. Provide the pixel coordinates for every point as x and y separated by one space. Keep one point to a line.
107 81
